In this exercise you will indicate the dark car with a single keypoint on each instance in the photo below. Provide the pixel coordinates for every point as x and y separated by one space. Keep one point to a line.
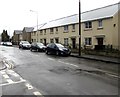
38 47
24 45
57 49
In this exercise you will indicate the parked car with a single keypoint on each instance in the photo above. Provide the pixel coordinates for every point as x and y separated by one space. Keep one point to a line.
38 47
2 43
8 43
57 49
24 45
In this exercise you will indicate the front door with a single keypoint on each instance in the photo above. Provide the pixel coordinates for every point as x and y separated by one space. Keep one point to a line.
100 41
56 40
45 42
73 43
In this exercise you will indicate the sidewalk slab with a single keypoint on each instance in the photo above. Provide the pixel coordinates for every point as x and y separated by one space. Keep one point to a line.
98 58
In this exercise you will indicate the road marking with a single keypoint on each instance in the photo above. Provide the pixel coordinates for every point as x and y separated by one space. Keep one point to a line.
73 65
68 63
37 93
29 86
12 83
6 76
2 72
51 59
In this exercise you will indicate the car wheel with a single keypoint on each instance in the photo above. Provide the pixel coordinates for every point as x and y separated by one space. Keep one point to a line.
57 53
22 47
46 52
37 50
31 49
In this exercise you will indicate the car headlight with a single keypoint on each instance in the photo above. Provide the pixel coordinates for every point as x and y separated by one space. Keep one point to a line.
60 49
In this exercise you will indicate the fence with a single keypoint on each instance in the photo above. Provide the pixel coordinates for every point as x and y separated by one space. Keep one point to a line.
108 50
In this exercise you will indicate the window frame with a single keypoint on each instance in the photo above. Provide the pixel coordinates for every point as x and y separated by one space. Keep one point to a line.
88 25
66 28
88 41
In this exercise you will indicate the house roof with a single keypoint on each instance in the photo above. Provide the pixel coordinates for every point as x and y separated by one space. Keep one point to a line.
39 26
62 21
28 29
17 31
99 13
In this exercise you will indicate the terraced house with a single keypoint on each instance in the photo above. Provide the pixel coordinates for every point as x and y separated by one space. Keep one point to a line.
17 36
99 28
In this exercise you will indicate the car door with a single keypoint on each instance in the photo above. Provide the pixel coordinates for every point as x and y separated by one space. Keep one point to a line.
53 48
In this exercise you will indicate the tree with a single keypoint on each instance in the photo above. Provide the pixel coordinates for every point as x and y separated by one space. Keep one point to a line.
5 36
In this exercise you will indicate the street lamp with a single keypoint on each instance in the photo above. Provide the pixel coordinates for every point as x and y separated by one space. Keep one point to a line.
37 21
79 28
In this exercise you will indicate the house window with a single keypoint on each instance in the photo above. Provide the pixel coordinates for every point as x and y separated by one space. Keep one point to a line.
51 30
66 41
99 23
56 30
88 24
88 41
66 28
73 26
41 40
51 40
45 32
41 32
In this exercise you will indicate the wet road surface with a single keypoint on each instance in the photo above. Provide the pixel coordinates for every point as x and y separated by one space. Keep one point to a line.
39 73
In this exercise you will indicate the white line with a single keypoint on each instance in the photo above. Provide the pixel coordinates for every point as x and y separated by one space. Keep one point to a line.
14 74
11 71
2 72
51 59
5 76
73 65
12 83
29 86
37 93
68 64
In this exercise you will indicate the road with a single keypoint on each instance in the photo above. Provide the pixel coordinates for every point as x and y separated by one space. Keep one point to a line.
35 73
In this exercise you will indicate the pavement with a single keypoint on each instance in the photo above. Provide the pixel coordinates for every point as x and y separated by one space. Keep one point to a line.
98 58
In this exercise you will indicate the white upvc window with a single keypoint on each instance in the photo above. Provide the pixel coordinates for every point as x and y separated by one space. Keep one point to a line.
41 40
100 23
51 40
88 41
88 24
66 28
66 41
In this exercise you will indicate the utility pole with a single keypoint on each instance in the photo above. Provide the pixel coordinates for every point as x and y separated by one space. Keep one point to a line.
37 23
79 28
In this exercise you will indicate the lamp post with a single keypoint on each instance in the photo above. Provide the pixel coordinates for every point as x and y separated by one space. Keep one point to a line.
79 28
37 22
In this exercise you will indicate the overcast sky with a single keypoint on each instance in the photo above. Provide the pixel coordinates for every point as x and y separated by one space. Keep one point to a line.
15 14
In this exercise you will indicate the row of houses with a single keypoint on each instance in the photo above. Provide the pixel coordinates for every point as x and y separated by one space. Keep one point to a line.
99 28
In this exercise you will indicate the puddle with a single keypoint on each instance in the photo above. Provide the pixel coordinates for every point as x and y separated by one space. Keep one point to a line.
61 69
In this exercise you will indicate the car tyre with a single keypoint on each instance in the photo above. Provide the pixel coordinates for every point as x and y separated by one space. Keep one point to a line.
57 53
46 52
31 49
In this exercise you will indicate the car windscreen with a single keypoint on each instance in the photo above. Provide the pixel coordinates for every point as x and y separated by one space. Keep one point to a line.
59 46
40 44
25 42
